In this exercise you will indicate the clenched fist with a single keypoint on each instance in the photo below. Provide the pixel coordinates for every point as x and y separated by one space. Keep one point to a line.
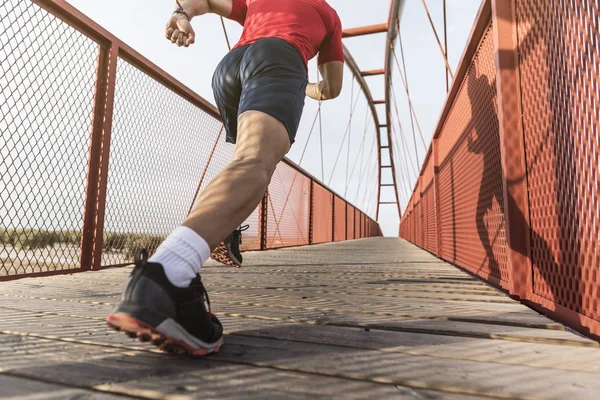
180 31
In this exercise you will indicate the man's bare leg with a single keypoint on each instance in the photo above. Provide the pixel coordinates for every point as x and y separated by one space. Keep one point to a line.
163 301
262 142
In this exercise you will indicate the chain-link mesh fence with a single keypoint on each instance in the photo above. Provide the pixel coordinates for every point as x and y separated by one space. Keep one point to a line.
159 145
47 80
339 223
350 214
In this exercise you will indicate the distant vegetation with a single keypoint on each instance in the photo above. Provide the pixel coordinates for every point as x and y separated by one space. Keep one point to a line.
128 243
31 239
37 238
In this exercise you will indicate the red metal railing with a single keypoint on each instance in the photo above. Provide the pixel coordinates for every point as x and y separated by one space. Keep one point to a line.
94 166
515 188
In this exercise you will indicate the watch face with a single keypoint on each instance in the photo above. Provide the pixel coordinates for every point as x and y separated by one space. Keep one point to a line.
180 10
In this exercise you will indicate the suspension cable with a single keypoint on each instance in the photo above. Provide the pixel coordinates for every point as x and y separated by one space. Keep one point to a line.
321 133
438 40
446 43
343 141
360 179
360 150
372 172
403 168
212 153
225 32
368 175
405 177
406 152
412 123
395 101
349 139
404 80
362 154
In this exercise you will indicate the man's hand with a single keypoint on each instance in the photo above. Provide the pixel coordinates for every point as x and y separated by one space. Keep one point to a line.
179 30
331 85
313 90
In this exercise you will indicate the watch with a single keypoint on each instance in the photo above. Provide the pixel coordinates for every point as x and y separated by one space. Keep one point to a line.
180 10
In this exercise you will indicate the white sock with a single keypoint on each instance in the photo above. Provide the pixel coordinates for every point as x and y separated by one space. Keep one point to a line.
182 254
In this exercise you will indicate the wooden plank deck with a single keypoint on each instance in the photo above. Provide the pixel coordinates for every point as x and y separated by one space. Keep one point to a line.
365 319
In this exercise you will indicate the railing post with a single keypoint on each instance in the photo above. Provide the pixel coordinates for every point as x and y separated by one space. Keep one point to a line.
95 202
346 218
333 218
421 211
264 214
512 145
312 212
436 194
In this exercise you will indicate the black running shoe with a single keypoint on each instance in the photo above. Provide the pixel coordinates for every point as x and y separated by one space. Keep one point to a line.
228 252
173 319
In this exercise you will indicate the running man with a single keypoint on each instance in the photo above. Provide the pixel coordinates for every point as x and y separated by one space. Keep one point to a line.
260 88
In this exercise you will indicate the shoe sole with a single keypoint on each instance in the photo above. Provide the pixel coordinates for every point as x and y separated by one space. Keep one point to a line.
169 341
223 255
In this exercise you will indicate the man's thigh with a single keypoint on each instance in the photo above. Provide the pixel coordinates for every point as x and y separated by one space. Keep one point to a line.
273 77
261 136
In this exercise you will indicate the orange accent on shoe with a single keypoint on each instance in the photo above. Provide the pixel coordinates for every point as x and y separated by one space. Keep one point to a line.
221 254
145 333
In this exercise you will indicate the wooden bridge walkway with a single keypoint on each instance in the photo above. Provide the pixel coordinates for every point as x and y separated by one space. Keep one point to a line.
365 319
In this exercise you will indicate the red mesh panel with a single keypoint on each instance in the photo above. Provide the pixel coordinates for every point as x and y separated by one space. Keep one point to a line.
350 222
429 224
471 192
363 232
364 229
340 219
288 208
418 224
323 214
558 46
412 225
467 102
428 171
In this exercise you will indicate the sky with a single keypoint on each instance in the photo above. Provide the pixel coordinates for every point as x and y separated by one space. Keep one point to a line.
141 24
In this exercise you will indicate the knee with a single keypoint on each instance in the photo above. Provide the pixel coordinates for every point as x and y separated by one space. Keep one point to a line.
261 169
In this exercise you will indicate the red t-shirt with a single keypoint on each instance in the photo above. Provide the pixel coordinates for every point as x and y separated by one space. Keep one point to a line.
311 26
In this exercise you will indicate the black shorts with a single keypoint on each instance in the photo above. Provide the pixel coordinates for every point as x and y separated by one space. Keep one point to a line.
268 75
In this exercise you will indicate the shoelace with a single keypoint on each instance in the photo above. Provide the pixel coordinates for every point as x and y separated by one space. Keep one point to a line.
198 281
240 230
141 258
